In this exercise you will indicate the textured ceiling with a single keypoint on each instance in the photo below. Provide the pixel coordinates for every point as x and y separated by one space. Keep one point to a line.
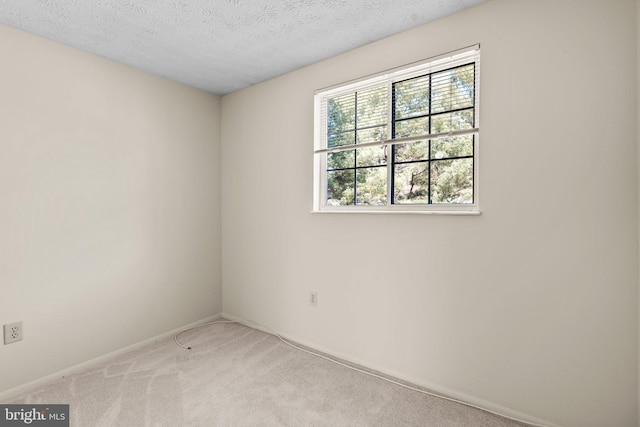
221 45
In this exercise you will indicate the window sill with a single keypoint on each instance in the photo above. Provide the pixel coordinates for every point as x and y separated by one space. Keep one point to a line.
397 212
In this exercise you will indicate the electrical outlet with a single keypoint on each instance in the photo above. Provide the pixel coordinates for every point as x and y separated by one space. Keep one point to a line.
313 299
12 332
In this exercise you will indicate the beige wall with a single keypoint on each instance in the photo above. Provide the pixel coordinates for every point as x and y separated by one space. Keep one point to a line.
109 205
531 307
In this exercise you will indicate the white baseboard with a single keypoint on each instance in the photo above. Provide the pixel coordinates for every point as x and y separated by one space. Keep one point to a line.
5 395
392 374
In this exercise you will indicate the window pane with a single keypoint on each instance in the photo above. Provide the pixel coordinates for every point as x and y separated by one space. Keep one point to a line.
372 186
375 134
452 89
452 121
411 151
411 97
341 160
411 183
340 187
336 140
452 181
413 127
371 156
452 147
341 113
347 126
372 107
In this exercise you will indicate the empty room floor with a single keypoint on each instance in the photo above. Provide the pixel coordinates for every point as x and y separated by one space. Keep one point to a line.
238 376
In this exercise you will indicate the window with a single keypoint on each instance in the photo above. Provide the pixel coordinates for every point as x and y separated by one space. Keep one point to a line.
404 140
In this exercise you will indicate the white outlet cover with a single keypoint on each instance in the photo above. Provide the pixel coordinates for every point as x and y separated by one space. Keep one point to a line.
313 299
12 332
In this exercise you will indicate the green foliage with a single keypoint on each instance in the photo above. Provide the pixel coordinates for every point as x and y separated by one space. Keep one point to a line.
411 183
452 181
372 186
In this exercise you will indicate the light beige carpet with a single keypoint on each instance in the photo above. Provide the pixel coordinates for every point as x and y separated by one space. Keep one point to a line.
239 376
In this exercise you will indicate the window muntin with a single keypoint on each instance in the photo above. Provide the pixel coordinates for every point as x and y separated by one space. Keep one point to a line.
405 140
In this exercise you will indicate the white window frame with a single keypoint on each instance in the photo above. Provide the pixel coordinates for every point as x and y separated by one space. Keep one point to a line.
431 65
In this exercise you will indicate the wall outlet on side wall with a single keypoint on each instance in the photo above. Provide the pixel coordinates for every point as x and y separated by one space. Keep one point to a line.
12 332
313 298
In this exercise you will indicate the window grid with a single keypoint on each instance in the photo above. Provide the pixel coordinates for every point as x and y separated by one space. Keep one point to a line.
430 114
354 166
